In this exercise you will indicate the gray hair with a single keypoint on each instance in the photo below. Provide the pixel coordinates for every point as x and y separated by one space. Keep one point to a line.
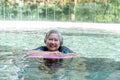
54 31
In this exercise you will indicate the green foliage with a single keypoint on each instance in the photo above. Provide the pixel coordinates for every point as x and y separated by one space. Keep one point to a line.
85 11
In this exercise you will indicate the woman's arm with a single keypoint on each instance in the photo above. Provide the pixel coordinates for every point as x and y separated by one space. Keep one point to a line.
71 54
38 53
45 53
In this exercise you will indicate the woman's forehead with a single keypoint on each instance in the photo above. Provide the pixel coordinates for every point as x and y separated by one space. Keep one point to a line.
53 34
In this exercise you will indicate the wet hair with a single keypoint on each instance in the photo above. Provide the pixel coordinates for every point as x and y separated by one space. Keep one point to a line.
54 31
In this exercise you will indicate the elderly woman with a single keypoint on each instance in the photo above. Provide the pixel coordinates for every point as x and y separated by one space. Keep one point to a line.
54 42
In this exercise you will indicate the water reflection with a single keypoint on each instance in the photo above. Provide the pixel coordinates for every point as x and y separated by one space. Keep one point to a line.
69 69
17 66
63 69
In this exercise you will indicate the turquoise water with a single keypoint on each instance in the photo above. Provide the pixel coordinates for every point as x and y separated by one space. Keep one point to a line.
98 56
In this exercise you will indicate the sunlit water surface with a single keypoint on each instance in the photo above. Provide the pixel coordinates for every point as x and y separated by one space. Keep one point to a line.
98 56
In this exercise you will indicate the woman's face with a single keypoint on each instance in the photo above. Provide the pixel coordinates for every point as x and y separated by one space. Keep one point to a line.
53 42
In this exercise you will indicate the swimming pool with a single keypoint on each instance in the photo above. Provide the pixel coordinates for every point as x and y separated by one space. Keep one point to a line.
98 51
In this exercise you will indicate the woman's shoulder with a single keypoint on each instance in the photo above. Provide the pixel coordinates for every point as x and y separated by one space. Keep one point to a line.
65 49
44 48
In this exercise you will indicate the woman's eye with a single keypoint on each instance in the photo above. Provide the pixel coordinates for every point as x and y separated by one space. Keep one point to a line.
56 40
50 39
53 39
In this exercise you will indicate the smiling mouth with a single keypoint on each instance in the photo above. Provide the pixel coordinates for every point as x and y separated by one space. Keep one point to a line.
52 46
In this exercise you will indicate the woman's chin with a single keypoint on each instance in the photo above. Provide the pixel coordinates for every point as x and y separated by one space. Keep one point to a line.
52 49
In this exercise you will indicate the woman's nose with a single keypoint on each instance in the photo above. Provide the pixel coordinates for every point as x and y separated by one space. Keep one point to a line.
53 41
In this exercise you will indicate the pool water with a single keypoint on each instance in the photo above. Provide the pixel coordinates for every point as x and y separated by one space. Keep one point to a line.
98 56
